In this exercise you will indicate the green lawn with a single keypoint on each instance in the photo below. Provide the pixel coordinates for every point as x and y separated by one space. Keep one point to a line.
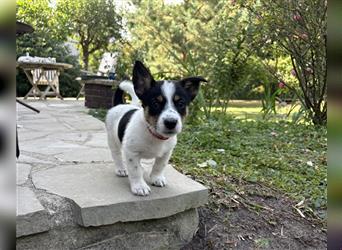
251 110
287 157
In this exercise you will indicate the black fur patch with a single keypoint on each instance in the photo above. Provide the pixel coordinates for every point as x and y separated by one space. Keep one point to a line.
182 101
155 106
150 99
118 97
123 123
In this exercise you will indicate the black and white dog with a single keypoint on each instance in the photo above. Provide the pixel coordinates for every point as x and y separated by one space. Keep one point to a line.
149 130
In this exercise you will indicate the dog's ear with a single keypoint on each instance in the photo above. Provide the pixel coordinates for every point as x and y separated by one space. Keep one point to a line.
142 79
191 85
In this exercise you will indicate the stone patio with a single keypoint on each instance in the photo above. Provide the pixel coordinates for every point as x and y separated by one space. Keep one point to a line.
69 196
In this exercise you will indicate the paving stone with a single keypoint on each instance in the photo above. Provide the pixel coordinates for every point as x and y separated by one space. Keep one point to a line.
23 171
84 123
30 135
71 137
50 147
34 103
31 216
61 105
50 126
34 117
103 198
24 158
84 155
97 140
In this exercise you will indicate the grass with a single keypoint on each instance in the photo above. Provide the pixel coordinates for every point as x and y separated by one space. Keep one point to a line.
288 157
252 110
285 156
98 113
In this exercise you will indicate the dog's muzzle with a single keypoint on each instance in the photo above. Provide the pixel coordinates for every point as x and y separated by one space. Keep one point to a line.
170 123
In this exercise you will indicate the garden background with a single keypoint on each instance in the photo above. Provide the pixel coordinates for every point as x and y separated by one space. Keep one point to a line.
259 124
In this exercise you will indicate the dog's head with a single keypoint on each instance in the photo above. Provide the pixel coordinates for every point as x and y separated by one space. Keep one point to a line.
165 102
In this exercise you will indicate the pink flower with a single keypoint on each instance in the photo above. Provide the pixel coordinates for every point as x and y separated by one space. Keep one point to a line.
304 36
281 85
309 70
297 17
293 72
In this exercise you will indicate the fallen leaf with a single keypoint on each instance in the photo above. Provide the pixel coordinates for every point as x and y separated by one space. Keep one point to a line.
309 163
241 238
203 164
274 133
300 212
212 163
300 203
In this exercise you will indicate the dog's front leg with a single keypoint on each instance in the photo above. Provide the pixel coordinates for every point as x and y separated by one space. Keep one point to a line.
157 177
135 174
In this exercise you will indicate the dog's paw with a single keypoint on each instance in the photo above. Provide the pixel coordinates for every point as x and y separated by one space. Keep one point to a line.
121 172
140 188
158 181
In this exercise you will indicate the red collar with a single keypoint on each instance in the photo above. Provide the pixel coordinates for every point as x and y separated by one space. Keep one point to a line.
158 136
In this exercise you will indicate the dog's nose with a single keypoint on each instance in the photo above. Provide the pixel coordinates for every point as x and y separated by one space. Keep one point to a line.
170 123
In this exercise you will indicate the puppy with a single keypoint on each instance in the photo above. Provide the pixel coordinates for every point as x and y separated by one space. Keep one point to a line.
147 130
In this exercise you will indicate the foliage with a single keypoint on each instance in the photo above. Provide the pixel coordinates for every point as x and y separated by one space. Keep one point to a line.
93 23
45 41
42 17
244 48
269 101
67 79
208 38
299 29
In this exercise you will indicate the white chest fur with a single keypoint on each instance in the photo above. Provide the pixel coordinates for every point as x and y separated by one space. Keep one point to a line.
140 141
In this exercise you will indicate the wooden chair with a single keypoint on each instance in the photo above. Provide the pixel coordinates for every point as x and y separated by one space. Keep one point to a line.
48 78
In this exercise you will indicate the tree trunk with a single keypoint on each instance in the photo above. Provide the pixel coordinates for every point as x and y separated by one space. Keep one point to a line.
320 118
85 51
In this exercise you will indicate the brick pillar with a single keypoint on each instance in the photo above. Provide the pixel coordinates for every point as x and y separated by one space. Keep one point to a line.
99 93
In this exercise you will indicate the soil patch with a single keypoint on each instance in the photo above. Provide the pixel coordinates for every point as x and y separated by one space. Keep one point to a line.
255 220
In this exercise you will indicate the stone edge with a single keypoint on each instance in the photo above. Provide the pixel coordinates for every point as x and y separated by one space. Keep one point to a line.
86 216
27 224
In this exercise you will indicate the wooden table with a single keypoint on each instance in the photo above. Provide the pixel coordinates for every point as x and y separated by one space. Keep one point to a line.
43 74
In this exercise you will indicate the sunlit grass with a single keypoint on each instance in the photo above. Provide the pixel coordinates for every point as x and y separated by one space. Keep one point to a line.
252 110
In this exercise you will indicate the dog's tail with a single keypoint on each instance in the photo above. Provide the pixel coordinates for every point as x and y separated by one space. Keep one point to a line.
125 86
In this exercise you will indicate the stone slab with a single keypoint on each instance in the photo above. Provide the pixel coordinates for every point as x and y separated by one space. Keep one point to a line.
31 216
30 135
23 171
166 233
102 198
71 137
86 204
84 123
97 140
47 146
25 158
85 155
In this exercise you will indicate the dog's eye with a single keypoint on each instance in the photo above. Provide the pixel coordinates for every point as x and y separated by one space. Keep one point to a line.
155 105
181 104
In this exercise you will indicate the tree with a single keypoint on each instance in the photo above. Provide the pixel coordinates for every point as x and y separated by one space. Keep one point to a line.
207 38
93 23
299 29
46 41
